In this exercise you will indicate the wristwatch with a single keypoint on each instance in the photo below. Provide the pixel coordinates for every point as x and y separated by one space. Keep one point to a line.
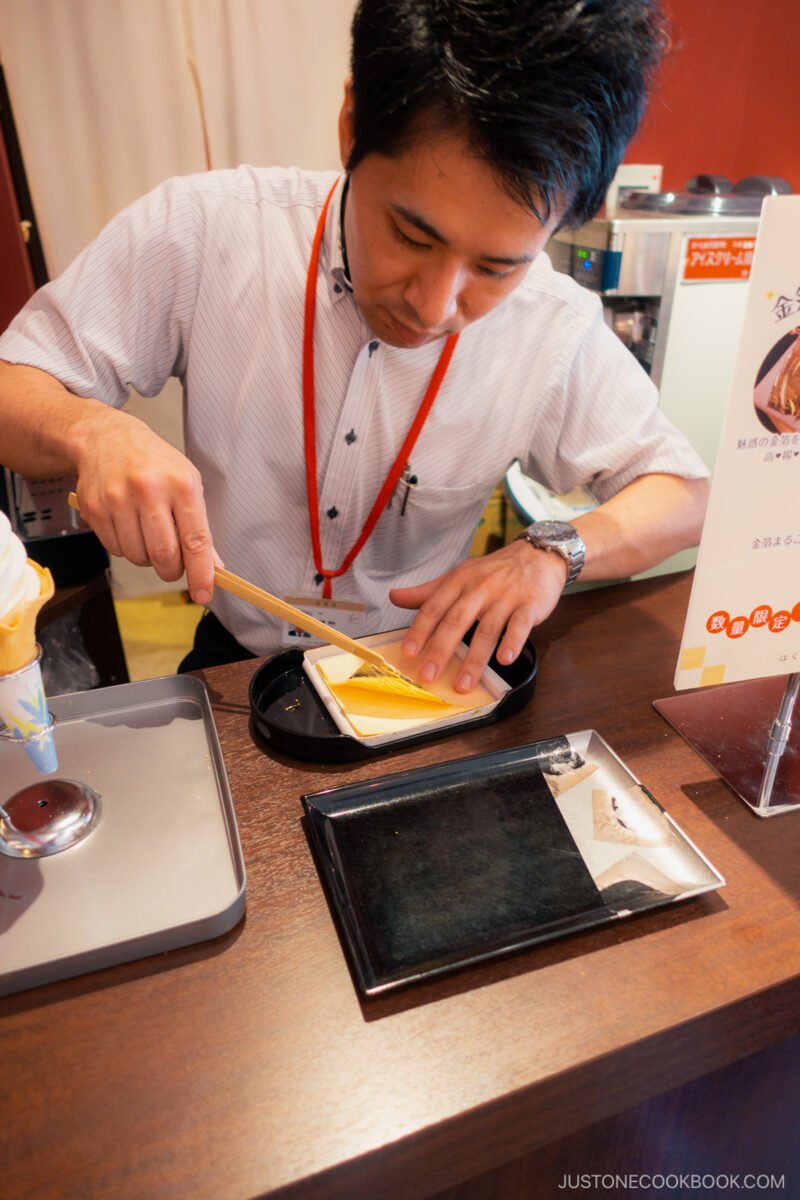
561 537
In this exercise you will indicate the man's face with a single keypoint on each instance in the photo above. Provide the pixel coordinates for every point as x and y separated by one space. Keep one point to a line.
433 241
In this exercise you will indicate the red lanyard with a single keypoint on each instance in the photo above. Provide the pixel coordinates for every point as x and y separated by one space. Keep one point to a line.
310 431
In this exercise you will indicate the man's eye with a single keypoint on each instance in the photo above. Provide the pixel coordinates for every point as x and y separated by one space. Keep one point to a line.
409 241
492 273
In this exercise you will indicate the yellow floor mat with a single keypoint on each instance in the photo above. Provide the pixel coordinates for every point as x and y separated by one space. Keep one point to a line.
156 632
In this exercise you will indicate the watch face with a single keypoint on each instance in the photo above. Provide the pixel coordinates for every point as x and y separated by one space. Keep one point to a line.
553 531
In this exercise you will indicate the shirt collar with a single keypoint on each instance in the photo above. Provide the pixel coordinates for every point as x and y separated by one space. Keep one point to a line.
337 275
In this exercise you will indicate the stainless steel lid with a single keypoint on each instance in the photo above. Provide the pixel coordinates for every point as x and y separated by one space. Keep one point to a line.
686 204
47 817
710 195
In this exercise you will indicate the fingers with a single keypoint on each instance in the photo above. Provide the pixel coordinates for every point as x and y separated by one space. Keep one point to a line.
146 537
449 608
157 520
426 619
485 640
519 626
489 625
438 627
197 548
503 594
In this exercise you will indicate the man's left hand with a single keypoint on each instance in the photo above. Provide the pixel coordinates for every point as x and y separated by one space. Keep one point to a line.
515 588
512 589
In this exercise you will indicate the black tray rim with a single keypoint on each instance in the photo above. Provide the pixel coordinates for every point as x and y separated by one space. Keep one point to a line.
326 803
337 747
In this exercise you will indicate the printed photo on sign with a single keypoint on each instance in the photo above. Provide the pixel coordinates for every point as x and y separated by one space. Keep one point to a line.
777 390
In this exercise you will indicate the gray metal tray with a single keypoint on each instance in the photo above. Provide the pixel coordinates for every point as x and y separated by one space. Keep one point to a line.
163 868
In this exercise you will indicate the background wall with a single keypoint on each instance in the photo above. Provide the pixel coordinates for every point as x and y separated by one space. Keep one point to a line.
105 106
728 102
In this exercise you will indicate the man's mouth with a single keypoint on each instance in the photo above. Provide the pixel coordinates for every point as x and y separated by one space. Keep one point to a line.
408 335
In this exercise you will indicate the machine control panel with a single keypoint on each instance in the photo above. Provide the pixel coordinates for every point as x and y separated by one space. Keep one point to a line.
595 268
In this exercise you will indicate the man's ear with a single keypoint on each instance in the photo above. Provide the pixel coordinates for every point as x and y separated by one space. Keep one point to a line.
346 134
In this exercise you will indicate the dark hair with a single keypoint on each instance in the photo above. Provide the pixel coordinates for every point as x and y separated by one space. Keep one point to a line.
548 92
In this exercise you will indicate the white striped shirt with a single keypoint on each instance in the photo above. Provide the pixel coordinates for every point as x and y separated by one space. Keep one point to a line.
204 278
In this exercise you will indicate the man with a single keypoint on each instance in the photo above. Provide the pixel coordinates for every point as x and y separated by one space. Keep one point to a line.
341 440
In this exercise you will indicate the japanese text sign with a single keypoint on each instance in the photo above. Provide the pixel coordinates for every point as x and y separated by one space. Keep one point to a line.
718 257
744 613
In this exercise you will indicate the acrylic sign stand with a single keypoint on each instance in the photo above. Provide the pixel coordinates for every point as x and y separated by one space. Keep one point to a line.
730 727
742 667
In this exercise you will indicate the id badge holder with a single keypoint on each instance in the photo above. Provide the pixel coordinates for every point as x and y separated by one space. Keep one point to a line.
348 616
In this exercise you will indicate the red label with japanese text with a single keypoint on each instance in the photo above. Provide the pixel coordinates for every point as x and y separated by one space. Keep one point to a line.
718 257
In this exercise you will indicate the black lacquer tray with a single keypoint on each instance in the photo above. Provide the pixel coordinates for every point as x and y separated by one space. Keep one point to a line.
289 716
447 866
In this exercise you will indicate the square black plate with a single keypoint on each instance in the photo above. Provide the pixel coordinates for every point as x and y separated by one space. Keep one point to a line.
445 866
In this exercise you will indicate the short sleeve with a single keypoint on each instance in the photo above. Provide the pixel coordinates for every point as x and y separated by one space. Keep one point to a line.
604 427
120 315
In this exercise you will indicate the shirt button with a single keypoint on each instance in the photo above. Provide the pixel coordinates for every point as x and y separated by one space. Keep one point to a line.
333 512
350 437
373 346
318 578
337 287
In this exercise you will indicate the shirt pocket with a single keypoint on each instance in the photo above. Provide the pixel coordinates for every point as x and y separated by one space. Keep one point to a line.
426 526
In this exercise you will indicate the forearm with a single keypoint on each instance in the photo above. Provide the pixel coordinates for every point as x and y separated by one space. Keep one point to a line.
650 519
46 430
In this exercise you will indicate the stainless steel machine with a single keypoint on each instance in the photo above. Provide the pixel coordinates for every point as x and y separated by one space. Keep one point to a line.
672 271
53 533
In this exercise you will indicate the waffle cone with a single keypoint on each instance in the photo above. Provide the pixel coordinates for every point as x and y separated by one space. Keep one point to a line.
18 628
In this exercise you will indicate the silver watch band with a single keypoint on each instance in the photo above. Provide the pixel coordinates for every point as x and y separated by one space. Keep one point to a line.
568 543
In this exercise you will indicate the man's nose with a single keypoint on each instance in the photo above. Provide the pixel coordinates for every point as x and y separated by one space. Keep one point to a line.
434 294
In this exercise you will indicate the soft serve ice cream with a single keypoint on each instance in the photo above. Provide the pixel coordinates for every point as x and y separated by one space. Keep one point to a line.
19 581
24 588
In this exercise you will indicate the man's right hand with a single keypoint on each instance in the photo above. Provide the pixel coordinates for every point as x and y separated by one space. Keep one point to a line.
141 496
144 500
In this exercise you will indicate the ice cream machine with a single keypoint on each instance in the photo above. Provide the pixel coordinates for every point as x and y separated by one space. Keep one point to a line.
673 280
671 269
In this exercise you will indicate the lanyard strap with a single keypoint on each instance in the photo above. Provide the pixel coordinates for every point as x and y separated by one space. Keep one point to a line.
309 422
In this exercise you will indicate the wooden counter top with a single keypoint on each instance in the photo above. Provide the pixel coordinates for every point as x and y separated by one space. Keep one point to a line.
248 1067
